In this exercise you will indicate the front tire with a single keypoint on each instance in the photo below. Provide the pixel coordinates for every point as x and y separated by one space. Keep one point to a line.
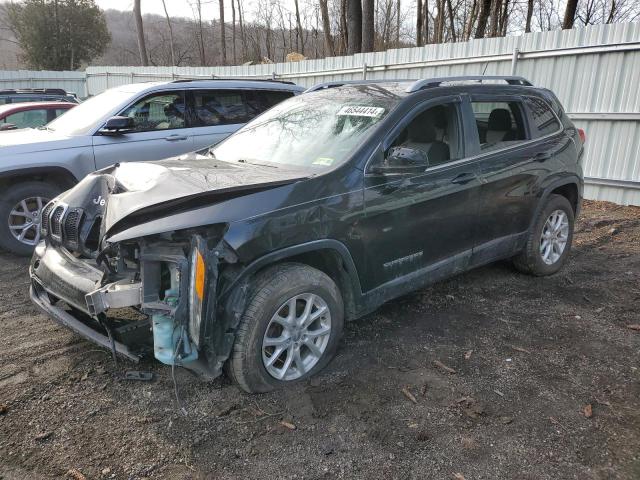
549 241
290 328
20 210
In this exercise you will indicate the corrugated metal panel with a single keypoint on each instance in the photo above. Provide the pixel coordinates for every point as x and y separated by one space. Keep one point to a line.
71 81
593 70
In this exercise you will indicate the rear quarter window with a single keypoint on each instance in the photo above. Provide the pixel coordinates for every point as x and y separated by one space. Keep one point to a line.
259 101
544 120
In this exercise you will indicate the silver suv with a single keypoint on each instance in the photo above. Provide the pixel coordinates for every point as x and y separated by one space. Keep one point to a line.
137 122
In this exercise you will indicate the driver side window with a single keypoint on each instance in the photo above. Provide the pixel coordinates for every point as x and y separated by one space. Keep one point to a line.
159 111
435 132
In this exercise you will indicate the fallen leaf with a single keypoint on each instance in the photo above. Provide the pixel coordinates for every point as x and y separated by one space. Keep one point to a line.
467 354
75 474
506 420
4 408
43 436
409 395
458 476
634 326
423 390
444 367
498 392
587 410
413 425
288 425
520 349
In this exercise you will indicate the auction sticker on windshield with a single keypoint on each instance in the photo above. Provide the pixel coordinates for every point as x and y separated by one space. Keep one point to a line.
361 111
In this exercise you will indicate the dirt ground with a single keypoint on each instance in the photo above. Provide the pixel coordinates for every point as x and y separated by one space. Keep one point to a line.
544 384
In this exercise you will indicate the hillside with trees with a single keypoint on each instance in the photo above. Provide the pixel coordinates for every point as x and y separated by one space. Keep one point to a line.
269 30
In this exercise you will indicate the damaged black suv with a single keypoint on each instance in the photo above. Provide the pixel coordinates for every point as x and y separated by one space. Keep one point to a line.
250 256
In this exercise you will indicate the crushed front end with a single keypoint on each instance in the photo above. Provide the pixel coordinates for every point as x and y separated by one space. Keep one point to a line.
156 293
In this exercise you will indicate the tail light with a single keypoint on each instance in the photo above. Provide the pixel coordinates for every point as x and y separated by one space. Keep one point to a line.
583 136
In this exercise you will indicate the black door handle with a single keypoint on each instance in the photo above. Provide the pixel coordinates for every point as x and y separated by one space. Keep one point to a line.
463 178
542 156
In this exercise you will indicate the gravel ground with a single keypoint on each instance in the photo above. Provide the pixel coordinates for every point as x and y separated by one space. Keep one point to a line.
490 375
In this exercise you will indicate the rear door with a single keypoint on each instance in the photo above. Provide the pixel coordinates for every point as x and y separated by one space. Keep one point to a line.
161 131
217 113
511 161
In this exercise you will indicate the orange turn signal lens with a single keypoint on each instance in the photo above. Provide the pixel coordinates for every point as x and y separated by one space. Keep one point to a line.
199 276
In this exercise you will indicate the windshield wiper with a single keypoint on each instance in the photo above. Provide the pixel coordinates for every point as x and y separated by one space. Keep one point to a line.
244 160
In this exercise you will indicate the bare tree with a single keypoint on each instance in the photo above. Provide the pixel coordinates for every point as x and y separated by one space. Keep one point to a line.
495 17
223 40
354 24
471 20
196 7
142 46
344 30
326 27
419 23
527 26
368 25
233 31
243 38
482 19
299 34
171 41
569 14
398 21
452 28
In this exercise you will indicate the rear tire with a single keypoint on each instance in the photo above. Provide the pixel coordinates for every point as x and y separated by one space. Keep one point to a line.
254 363
35 196
549 240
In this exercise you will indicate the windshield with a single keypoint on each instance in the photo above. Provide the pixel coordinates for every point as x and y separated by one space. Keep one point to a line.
318 130
82 119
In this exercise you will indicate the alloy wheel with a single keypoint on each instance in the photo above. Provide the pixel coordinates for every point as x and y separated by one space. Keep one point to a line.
296 336
554 238
24 220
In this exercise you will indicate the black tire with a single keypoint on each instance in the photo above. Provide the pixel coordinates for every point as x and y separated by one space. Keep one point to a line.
530 260
267 294
11 197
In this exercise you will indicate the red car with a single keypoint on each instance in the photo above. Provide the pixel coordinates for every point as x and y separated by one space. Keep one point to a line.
30 114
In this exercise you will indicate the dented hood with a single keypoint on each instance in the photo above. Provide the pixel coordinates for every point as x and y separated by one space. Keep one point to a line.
156 189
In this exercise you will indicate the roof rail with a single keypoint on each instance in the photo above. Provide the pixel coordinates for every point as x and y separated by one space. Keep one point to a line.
207 79
340 83
435 82
53 91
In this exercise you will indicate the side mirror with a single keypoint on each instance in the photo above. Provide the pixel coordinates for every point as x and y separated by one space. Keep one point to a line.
403 161
118 126
7 126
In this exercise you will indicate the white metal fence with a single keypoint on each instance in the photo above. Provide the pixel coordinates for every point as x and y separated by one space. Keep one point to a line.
595 71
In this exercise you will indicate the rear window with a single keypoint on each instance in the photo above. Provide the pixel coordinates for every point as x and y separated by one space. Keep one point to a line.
218 107
259 101
499 124
544 121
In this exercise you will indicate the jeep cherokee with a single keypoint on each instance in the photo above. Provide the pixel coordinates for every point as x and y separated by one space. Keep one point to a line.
250 257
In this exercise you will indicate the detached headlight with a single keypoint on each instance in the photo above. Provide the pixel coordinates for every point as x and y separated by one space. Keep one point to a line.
196 292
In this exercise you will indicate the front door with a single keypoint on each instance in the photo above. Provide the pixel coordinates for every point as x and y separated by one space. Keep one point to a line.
161 131
421 222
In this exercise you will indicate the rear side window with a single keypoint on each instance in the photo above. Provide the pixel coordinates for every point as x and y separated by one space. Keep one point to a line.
259 101
499 124
218 107
544 121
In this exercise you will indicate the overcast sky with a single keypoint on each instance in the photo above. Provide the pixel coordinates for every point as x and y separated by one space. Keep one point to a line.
181 8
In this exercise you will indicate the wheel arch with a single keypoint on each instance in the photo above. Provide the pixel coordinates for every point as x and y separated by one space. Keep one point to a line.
58 175
568 188
329 256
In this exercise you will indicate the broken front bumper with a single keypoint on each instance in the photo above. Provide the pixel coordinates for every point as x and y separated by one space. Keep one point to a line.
57 275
